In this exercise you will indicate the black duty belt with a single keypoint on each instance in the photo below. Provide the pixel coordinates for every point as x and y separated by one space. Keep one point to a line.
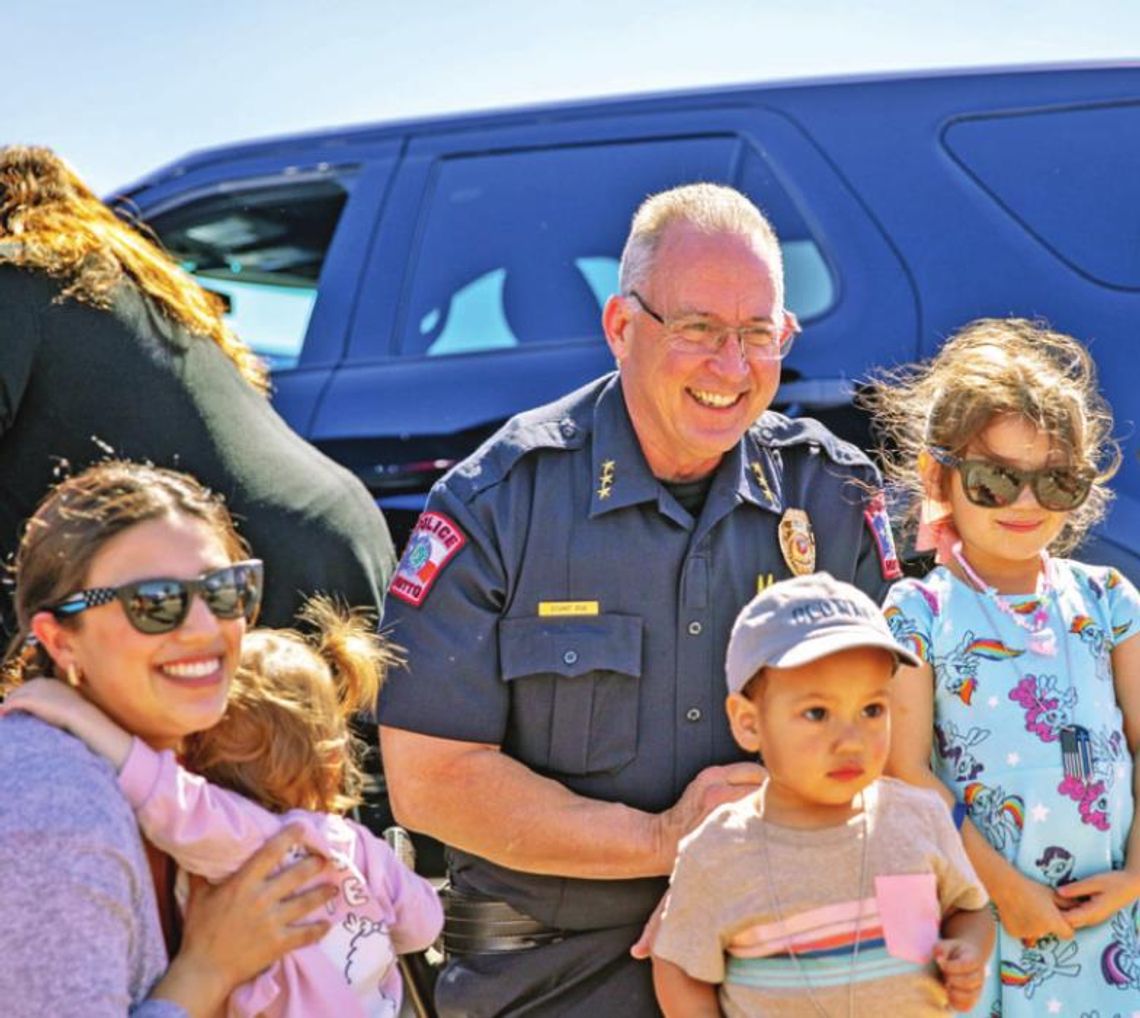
476 925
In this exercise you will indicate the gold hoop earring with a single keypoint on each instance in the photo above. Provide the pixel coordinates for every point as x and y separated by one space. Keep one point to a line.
74 676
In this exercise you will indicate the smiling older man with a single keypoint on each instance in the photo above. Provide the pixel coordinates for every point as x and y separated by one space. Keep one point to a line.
566 600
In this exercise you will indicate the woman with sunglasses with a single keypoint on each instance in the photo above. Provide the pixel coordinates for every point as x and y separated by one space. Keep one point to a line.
110 346
133 587
1028 703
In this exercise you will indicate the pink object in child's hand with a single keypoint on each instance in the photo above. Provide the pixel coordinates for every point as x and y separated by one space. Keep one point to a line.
911 916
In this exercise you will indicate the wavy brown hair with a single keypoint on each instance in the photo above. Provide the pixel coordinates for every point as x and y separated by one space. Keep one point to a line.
988 369
285 740
50 221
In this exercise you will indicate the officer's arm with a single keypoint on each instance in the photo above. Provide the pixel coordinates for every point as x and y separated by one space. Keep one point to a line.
475 798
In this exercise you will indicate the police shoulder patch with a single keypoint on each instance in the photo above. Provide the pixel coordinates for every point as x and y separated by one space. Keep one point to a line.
433 542
880 526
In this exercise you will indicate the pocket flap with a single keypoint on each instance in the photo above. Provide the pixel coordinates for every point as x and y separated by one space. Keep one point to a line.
570 647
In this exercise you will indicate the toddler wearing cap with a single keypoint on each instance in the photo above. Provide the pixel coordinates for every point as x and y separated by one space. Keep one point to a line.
831 890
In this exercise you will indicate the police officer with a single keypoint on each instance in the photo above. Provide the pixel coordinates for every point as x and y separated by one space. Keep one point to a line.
566 600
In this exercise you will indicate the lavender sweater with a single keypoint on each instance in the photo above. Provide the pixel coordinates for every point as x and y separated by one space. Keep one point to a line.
79 928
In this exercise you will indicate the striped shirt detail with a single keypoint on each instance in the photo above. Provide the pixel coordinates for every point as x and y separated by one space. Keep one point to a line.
786 973
825 931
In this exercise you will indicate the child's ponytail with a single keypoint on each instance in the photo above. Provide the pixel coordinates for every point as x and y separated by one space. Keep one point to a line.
356 654
286 739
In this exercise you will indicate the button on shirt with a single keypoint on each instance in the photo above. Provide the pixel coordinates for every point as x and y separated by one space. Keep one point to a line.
583 625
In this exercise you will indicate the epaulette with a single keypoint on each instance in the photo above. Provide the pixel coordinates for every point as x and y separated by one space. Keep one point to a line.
563 424
777 431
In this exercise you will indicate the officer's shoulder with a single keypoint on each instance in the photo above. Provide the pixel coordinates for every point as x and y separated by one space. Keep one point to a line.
563 424
776 431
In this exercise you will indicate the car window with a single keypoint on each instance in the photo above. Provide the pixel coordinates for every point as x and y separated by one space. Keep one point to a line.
522 248
1054 172
262 250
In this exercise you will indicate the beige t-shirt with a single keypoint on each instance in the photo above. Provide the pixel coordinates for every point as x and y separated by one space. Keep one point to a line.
768 938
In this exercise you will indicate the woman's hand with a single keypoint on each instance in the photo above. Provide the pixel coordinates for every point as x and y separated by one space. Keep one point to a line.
1027 909
1106 893
235 930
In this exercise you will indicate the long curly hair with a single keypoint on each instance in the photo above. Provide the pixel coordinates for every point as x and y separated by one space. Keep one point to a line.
990 368
50 221
286 740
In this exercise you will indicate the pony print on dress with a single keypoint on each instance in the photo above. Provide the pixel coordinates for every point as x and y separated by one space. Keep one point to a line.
1048 708
1049 957
954 749
960 666
1109 754
998 816
1056 865
1120 962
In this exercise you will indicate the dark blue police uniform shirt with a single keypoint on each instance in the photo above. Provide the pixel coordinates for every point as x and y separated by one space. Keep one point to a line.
559 509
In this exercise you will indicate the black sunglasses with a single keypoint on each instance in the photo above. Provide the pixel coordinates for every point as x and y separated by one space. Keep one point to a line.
994 485
161 605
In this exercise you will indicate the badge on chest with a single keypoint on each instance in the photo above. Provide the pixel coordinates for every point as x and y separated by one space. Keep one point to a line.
797 542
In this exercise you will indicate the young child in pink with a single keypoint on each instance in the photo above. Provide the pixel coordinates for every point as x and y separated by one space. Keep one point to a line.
282 754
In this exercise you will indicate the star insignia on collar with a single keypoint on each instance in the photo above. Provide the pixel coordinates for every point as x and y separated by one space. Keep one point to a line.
606 479
762 480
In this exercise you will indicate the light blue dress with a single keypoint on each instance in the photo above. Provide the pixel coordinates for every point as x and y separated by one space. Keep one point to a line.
1003 714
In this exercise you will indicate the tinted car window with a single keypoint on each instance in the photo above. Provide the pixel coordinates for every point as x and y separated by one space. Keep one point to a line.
1053 170
522 248
262 249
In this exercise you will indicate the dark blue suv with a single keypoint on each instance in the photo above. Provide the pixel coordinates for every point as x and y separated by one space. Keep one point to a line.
415 284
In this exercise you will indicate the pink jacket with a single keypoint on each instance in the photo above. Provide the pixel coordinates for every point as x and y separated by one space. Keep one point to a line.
383 909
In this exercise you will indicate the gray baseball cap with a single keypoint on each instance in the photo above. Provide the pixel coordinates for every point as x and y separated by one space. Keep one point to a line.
801 620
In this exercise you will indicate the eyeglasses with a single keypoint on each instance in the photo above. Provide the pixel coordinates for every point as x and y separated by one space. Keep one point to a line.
706 335
995 485
161 605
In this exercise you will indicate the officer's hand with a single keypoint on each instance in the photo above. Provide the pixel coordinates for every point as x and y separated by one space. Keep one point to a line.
709 789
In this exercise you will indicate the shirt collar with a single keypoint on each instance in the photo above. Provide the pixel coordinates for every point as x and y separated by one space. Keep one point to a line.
621 476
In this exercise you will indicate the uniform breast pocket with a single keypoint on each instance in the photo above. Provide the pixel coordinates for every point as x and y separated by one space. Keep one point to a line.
574 690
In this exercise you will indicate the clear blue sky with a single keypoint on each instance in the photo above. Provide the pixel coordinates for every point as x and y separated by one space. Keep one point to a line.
121 86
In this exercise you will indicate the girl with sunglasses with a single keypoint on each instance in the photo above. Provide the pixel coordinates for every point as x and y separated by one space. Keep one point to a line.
87 914
1025 715
283 753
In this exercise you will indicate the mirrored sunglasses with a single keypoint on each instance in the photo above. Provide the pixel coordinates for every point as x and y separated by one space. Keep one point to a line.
161 605
993 485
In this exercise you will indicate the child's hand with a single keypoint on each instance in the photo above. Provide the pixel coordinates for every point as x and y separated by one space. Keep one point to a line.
963 970
58 704
48 699
1106 893
1027 910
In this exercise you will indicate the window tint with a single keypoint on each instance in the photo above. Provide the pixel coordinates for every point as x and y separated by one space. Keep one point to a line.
521 248
262 249
1057 171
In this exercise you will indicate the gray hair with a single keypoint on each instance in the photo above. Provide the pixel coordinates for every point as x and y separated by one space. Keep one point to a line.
711 208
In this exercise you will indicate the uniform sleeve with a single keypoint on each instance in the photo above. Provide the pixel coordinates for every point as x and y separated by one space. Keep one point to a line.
689 935
1123 607
958 884
909 609
208 830
19 340
418 914
446 618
